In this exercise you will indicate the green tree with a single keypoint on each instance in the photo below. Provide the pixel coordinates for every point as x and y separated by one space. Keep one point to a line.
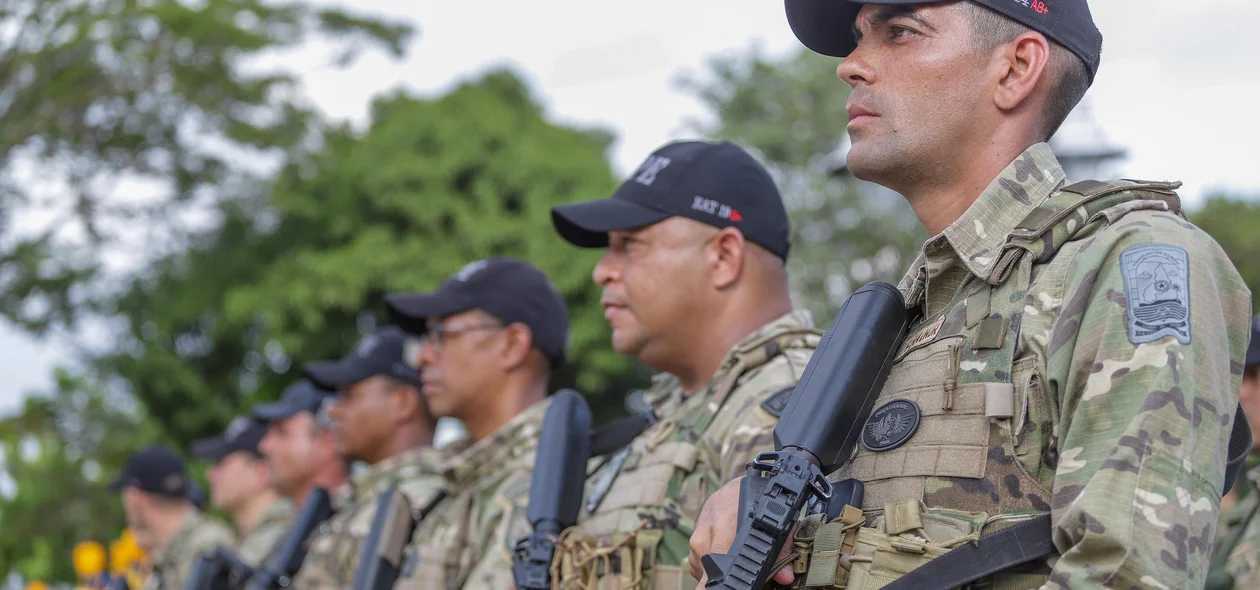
62 449
118 118
1235 224
431 185
790 111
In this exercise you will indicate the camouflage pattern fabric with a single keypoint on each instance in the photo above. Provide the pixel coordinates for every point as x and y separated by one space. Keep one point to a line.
259 543
1080 354
640 506
1242 523
333 557
465 539
171 565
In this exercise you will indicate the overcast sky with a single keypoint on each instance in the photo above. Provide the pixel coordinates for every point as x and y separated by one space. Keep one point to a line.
1175 87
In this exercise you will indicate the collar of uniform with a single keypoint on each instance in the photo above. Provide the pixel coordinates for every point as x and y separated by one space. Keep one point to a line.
401 466
665 395
186 528
280 510
977 237
518 437
1253 475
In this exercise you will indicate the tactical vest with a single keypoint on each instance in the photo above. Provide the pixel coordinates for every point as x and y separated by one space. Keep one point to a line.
962 474
617 548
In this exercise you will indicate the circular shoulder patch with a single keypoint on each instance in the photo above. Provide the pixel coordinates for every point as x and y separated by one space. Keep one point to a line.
891 425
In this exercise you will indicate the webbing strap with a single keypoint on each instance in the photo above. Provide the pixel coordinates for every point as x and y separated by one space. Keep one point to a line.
1009 547
617 435
1239 447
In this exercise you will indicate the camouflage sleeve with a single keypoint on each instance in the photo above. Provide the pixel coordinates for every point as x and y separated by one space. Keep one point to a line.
333 555
208 535
502 522
262 541
745 426
1146 360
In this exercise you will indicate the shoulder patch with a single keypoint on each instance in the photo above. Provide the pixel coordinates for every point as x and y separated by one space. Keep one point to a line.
776 403
1157 292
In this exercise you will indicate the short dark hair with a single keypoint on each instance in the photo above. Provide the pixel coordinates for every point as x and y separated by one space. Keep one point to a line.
1069 74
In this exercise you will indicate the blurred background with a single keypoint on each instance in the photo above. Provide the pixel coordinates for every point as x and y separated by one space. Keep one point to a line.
197 196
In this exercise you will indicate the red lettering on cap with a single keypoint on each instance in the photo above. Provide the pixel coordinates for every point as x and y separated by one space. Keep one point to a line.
1040 7
735 216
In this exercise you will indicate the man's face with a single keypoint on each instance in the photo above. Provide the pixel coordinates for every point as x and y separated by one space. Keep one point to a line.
365 415
653 279
457 362
289 447
918 83
135 506
1250 398
235 479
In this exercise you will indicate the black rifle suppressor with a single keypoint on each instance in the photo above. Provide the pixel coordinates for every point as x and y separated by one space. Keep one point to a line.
816 434
278 572
555 487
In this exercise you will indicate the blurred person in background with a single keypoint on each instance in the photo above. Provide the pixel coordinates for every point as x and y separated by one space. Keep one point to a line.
1236 554
155 493
240 485
300 447
378 417
494 333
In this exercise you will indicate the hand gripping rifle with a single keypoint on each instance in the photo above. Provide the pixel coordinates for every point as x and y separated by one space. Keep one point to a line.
817 433
278 571
555 488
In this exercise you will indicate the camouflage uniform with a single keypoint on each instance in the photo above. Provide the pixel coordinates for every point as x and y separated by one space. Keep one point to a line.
465 539
1048 377
172 564
335 547
1238 542
646 497
258 544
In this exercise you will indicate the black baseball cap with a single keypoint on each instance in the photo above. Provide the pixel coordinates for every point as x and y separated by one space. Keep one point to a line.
1253 349
511 290
826 26
381 353
302 396
719 184
156 470
242 434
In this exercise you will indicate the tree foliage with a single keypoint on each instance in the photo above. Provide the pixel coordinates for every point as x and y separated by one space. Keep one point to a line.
119 118
791 112
1235 224
431 185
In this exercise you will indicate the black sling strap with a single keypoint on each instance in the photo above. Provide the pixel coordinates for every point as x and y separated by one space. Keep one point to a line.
1031 539
617 435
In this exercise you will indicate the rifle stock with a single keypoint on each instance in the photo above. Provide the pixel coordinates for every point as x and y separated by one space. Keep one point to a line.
382 556
278 571
555 487
817 432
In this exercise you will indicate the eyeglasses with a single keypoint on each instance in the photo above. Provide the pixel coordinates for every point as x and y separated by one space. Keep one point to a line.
437 333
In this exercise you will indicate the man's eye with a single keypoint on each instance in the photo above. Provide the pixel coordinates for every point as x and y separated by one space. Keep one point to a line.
896 32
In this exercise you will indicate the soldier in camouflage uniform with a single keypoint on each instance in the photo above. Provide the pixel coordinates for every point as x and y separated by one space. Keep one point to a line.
1080 349
494 333
379 418
239 486
1236 553
155 489
695 287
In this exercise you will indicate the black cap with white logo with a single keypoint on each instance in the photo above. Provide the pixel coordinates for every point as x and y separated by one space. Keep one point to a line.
719 184
156 470
509 289
241 434
826 26
381 353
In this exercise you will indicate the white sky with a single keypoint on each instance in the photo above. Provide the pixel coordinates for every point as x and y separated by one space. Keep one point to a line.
1175 87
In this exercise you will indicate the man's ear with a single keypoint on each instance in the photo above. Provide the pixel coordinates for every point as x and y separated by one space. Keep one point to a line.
518 340
725 256
1023 64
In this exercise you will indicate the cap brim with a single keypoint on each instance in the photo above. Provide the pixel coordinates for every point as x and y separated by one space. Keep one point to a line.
1253 355
274 411
214 448
826 26
336 375
410 310
586 225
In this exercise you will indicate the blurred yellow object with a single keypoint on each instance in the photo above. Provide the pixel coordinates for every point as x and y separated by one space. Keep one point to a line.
89 559
35 585
125 554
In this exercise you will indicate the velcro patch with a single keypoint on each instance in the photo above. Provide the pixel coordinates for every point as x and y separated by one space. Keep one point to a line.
1157 289
776 403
